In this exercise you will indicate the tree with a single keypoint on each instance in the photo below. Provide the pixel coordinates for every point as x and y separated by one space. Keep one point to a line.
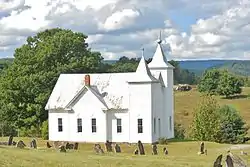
205 125
220 82
229 84
124 64
233 129
218 124
209 81
27 83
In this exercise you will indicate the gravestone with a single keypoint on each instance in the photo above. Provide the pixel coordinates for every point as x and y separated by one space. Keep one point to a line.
62 148
165 151
217 162
141 148
69 146
10 140
20 144
136 152
229 161
48 145
56 144
117 148
202 147
76 146
98 149
154 149
237 161
33 144
108 146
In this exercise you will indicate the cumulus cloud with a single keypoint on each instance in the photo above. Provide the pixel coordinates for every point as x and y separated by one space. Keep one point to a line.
122 27
221 36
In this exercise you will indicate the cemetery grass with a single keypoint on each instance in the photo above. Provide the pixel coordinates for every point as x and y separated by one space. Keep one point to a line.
185 103
181 154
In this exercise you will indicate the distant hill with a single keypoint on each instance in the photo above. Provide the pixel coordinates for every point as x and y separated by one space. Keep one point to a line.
241 67
4 61
237 67
199 66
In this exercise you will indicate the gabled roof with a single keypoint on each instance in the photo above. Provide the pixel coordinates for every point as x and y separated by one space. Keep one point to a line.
81 93
143 73
110 88
159 60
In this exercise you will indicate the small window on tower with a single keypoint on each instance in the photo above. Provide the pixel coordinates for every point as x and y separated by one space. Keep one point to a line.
79 125
154 125
60 125
140 126
170 123
119 125
93 121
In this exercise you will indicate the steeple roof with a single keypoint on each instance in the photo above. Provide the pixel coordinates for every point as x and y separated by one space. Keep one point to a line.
159 60
143 73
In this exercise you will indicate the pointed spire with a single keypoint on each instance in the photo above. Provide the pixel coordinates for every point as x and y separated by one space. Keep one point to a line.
143 66
143 73
159 60
159 41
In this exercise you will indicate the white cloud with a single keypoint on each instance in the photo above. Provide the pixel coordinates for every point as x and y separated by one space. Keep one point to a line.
121 19
121 27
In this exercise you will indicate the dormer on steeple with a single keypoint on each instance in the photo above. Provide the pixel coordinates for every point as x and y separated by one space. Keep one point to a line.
159 60
143 73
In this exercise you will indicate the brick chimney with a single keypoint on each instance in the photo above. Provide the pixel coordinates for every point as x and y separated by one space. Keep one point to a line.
87 80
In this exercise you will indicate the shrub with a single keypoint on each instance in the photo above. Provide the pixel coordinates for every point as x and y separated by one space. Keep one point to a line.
205 125
220 124
179 131
163 140
45 131
29 132
233 129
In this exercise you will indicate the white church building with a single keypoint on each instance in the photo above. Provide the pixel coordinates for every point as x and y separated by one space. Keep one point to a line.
119 107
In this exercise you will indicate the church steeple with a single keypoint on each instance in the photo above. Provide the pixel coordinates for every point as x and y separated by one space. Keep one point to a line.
159 60
143 73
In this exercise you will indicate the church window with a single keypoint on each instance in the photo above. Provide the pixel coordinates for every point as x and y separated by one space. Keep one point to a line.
60 125
154 125
140 126
79 125
170 123
119 125
93 121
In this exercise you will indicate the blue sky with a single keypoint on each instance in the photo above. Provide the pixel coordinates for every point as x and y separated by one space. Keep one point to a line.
191 29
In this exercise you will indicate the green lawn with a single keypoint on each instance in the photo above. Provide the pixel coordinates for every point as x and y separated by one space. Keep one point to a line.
181 154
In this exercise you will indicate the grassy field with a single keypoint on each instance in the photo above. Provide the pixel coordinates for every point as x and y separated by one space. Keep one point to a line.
181 154
185 102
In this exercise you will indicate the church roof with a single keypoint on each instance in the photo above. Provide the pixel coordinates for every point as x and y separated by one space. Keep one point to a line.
110 88
143 73
94 90
159 60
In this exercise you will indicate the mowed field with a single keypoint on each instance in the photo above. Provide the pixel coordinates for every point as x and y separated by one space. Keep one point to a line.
186 102
181 154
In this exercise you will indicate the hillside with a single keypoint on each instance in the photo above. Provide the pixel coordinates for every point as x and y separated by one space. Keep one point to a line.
184 108
237 67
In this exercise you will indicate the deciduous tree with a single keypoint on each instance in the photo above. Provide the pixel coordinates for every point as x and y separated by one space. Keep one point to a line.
27 83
